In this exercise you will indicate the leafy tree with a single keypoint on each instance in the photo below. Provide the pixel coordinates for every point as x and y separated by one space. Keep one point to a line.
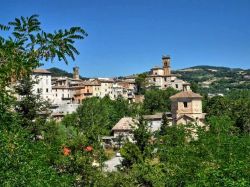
158 100
31 106
141 82
164 124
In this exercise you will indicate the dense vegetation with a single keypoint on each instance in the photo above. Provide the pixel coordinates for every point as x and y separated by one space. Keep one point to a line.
37 151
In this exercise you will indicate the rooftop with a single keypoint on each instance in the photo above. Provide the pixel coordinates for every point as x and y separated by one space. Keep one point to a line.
186 94
125 123
41 71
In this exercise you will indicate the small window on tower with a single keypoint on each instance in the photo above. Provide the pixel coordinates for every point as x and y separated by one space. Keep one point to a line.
47 90
154 79
176 85
185 104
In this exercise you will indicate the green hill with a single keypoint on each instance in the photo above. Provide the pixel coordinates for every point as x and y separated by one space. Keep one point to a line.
57 72
213 79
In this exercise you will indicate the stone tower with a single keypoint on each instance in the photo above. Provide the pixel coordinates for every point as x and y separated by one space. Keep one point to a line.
186 107
166 64
76 73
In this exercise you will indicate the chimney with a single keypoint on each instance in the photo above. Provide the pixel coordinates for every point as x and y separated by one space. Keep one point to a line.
76 73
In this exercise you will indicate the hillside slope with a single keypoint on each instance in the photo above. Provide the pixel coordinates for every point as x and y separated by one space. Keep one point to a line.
212 79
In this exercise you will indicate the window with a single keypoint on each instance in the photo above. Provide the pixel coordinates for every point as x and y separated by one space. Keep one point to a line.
38 90
185 104
154 79
56 95
47 90
165 85
176 86
155 73
165 79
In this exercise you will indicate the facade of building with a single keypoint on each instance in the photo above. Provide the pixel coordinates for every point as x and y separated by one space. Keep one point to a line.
186 107
162 78
43 83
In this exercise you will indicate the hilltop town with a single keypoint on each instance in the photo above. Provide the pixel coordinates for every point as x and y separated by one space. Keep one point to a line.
67 93
153 129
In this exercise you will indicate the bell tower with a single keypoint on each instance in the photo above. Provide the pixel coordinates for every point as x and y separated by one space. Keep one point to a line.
76 72
166 64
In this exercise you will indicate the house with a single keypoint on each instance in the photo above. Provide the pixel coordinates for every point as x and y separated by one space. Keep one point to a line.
43 85
124 128
155 120
186 107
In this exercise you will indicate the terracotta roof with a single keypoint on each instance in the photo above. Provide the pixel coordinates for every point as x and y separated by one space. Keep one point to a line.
125 123
186 94
91 83
42 71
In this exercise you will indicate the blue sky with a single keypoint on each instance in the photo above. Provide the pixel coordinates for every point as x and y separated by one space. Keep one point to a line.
130 36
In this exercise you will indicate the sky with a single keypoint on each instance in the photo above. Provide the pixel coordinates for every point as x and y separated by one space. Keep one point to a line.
130 36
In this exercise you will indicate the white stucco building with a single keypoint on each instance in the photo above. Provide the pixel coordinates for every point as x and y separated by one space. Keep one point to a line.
43 85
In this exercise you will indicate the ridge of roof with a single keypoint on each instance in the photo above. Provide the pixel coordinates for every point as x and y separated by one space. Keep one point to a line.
186 94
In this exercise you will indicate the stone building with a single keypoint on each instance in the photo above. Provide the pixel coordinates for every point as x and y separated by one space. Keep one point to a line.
186 107
162 78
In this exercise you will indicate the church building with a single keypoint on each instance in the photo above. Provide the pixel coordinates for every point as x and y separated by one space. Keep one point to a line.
186 107
162 78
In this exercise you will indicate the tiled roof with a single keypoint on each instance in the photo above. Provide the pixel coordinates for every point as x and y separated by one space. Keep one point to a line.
42 71
125 123
186 94
91 83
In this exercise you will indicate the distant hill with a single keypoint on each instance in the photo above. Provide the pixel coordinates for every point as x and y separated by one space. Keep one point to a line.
213 79
57 72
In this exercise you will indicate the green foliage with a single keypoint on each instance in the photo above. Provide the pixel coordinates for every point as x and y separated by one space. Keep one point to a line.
164 125
236 105
141 83
25 163
32 109
222 79
138 151
158 100
97 116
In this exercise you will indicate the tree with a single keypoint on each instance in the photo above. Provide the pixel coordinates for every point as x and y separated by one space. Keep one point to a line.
158 100
33 110
141 82
164 124
29 45
25 162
